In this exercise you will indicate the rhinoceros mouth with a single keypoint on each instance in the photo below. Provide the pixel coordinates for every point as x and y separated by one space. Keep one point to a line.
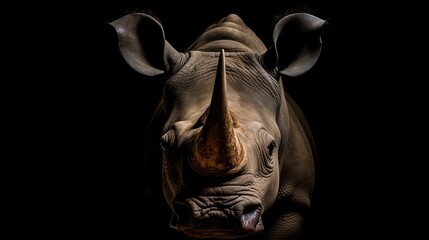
217 233
225 217
220 230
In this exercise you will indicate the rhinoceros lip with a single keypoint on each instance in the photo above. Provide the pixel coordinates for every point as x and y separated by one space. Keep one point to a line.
222 228
213 230
225 211
216 230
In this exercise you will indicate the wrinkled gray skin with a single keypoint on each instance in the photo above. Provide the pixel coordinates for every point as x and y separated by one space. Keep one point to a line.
256 178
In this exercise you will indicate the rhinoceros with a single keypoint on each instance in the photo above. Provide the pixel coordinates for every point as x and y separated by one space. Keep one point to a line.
232 153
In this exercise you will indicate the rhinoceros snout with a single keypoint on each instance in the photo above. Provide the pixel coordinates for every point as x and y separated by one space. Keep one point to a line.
211 220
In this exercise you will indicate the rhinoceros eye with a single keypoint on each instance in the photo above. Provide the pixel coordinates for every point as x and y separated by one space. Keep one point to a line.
271 148
167 140
268 146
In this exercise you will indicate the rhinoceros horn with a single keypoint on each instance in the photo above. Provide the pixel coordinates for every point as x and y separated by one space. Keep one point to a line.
217 150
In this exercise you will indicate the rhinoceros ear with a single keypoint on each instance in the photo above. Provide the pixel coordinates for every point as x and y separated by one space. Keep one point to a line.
296 44
142 43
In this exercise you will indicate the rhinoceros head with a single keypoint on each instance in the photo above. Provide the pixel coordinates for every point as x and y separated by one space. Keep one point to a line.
225 125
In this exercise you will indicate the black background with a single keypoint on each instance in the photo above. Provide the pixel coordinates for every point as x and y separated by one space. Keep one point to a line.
87 118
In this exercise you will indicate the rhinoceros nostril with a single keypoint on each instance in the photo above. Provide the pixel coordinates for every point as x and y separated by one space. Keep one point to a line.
174 221
251 219
181 213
